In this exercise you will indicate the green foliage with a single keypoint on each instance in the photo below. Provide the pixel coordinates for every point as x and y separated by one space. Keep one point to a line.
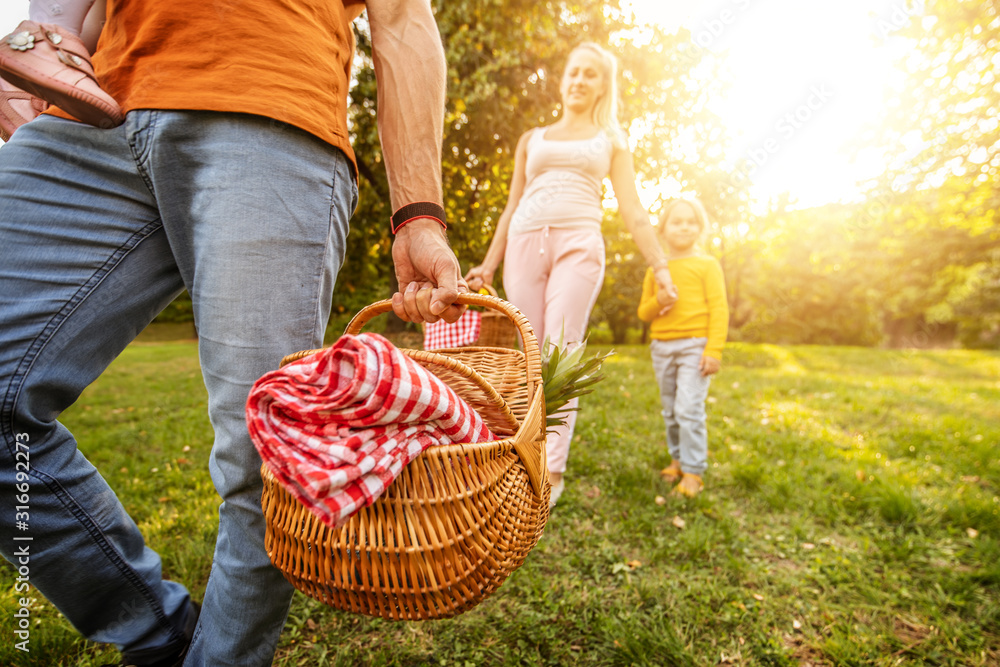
939 124
179 310
942 251
807 282
567 375
915 265
623 276
936 228
898 271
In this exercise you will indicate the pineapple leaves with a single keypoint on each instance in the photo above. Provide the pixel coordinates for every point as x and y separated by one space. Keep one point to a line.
566 375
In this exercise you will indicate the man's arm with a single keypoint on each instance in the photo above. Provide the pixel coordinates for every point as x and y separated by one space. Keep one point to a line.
410 73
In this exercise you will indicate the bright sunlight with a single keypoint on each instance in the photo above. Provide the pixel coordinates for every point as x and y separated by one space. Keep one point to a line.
803 81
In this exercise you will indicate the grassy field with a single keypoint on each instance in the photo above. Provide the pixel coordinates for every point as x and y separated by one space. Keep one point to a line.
851 517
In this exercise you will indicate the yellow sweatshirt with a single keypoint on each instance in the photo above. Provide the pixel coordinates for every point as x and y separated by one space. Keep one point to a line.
701 311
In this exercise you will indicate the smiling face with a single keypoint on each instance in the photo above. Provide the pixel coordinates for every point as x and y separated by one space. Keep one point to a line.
583 81
681 229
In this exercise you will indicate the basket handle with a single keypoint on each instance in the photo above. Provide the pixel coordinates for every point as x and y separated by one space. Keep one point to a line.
531 351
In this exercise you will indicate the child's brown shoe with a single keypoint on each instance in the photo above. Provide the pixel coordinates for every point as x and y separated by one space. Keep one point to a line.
690 486
52 63
672 472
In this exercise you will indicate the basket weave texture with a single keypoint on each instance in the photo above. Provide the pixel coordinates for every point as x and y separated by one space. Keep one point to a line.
496 330
459 518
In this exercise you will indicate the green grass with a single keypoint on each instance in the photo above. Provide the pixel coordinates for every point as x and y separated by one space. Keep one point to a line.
851 517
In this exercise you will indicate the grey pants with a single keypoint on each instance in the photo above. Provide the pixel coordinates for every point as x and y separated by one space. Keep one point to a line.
683 390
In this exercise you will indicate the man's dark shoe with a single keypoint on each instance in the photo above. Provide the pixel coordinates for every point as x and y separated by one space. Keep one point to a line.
175 659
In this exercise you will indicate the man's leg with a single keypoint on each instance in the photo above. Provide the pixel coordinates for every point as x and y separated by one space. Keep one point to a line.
84 266
257 216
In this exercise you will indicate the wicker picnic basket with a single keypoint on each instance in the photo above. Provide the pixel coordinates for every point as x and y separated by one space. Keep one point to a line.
496 330
459 518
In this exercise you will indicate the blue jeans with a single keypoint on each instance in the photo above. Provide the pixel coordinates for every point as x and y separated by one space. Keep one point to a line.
99 231
683 391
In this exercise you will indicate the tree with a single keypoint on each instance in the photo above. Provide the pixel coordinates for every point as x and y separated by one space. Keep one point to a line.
809 281
623 276
940 234
942 120
504 63
939 249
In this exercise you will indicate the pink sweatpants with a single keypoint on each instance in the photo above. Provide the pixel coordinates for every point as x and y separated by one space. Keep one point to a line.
554 276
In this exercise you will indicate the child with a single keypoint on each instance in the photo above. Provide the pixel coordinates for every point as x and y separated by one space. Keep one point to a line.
45 57
687 339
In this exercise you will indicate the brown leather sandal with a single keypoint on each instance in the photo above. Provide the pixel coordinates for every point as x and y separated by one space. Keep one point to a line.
690 486
672 473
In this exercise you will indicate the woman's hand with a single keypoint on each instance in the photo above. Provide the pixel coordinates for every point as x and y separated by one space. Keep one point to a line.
478 277
666 290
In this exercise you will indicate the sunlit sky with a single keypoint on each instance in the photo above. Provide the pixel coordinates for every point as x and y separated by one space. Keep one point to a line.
805 78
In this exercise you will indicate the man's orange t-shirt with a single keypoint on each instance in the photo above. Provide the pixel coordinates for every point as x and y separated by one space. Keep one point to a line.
289 61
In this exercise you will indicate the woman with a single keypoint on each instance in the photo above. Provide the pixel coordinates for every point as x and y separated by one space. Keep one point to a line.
549 235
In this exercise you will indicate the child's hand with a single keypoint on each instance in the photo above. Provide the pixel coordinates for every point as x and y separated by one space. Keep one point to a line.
709 366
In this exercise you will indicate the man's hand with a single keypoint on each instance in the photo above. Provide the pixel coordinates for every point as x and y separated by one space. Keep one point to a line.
709 366
428 273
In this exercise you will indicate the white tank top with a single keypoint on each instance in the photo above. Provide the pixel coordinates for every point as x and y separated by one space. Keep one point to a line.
562 183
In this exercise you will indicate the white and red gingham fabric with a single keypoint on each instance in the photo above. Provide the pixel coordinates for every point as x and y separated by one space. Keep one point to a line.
337 427
465 331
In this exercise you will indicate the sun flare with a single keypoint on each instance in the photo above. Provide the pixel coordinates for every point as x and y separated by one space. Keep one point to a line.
803 81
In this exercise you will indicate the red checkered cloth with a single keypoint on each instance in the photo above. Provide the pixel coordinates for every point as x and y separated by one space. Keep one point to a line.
465 331
337 427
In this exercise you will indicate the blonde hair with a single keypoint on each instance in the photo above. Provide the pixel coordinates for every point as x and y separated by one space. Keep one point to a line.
700 214
605 113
